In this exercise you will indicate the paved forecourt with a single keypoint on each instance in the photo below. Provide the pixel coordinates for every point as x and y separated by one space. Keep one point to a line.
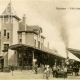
30 75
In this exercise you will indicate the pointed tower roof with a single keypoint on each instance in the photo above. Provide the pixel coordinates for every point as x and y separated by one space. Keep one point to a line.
9 11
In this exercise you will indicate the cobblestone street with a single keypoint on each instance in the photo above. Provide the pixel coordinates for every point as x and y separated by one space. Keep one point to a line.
30 75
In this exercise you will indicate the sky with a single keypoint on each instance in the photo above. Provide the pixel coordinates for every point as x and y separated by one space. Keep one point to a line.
60 20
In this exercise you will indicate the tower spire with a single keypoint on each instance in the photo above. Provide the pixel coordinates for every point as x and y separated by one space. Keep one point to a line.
10 5
9 10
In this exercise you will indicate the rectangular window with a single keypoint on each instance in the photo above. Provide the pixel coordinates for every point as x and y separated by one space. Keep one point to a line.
20 40
35 43
8 35
38 44
6 46
4 32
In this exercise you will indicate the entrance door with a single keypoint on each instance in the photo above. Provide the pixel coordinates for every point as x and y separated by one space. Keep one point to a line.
1 64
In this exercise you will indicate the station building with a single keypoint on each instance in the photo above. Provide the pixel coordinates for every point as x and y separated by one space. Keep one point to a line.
22 45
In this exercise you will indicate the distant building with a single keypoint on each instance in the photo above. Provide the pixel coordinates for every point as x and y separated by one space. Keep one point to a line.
22 44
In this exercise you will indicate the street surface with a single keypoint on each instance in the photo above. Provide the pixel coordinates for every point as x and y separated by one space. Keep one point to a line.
30 75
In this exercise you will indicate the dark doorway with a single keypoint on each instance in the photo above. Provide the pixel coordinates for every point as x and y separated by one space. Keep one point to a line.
1 64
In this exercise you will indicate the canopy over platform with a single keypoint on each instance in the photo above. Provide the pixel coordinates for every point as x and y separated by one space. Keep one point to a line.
75 52
25 47
73 57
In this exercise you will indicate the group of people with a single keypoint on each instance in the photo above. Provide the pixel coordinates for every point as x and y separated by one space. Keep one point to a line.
57 70
47 70
76 70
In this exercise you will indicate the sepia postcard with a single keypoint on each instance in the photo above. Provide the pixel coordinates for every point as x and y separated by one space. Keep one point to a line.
39 39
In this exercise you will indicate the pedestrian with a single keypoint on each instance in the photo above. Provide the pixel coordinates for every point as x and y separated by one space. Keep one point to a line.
12 69
65 71
77 70
54 70
36 68
74 69
46 72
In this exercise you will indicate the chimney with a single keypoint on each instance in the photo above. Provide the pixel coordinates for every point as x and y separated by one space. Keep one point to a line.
24 21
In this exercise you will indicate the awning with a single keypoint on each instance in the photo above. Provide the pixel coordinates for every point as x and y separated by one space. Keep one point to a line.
17 46
75 52
73 57
24 47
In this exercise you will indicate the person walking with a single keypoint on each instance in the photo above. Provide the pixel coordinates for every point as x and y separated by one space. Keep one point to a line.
77 70
36 69
54 70
12 69
65 71
46 72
